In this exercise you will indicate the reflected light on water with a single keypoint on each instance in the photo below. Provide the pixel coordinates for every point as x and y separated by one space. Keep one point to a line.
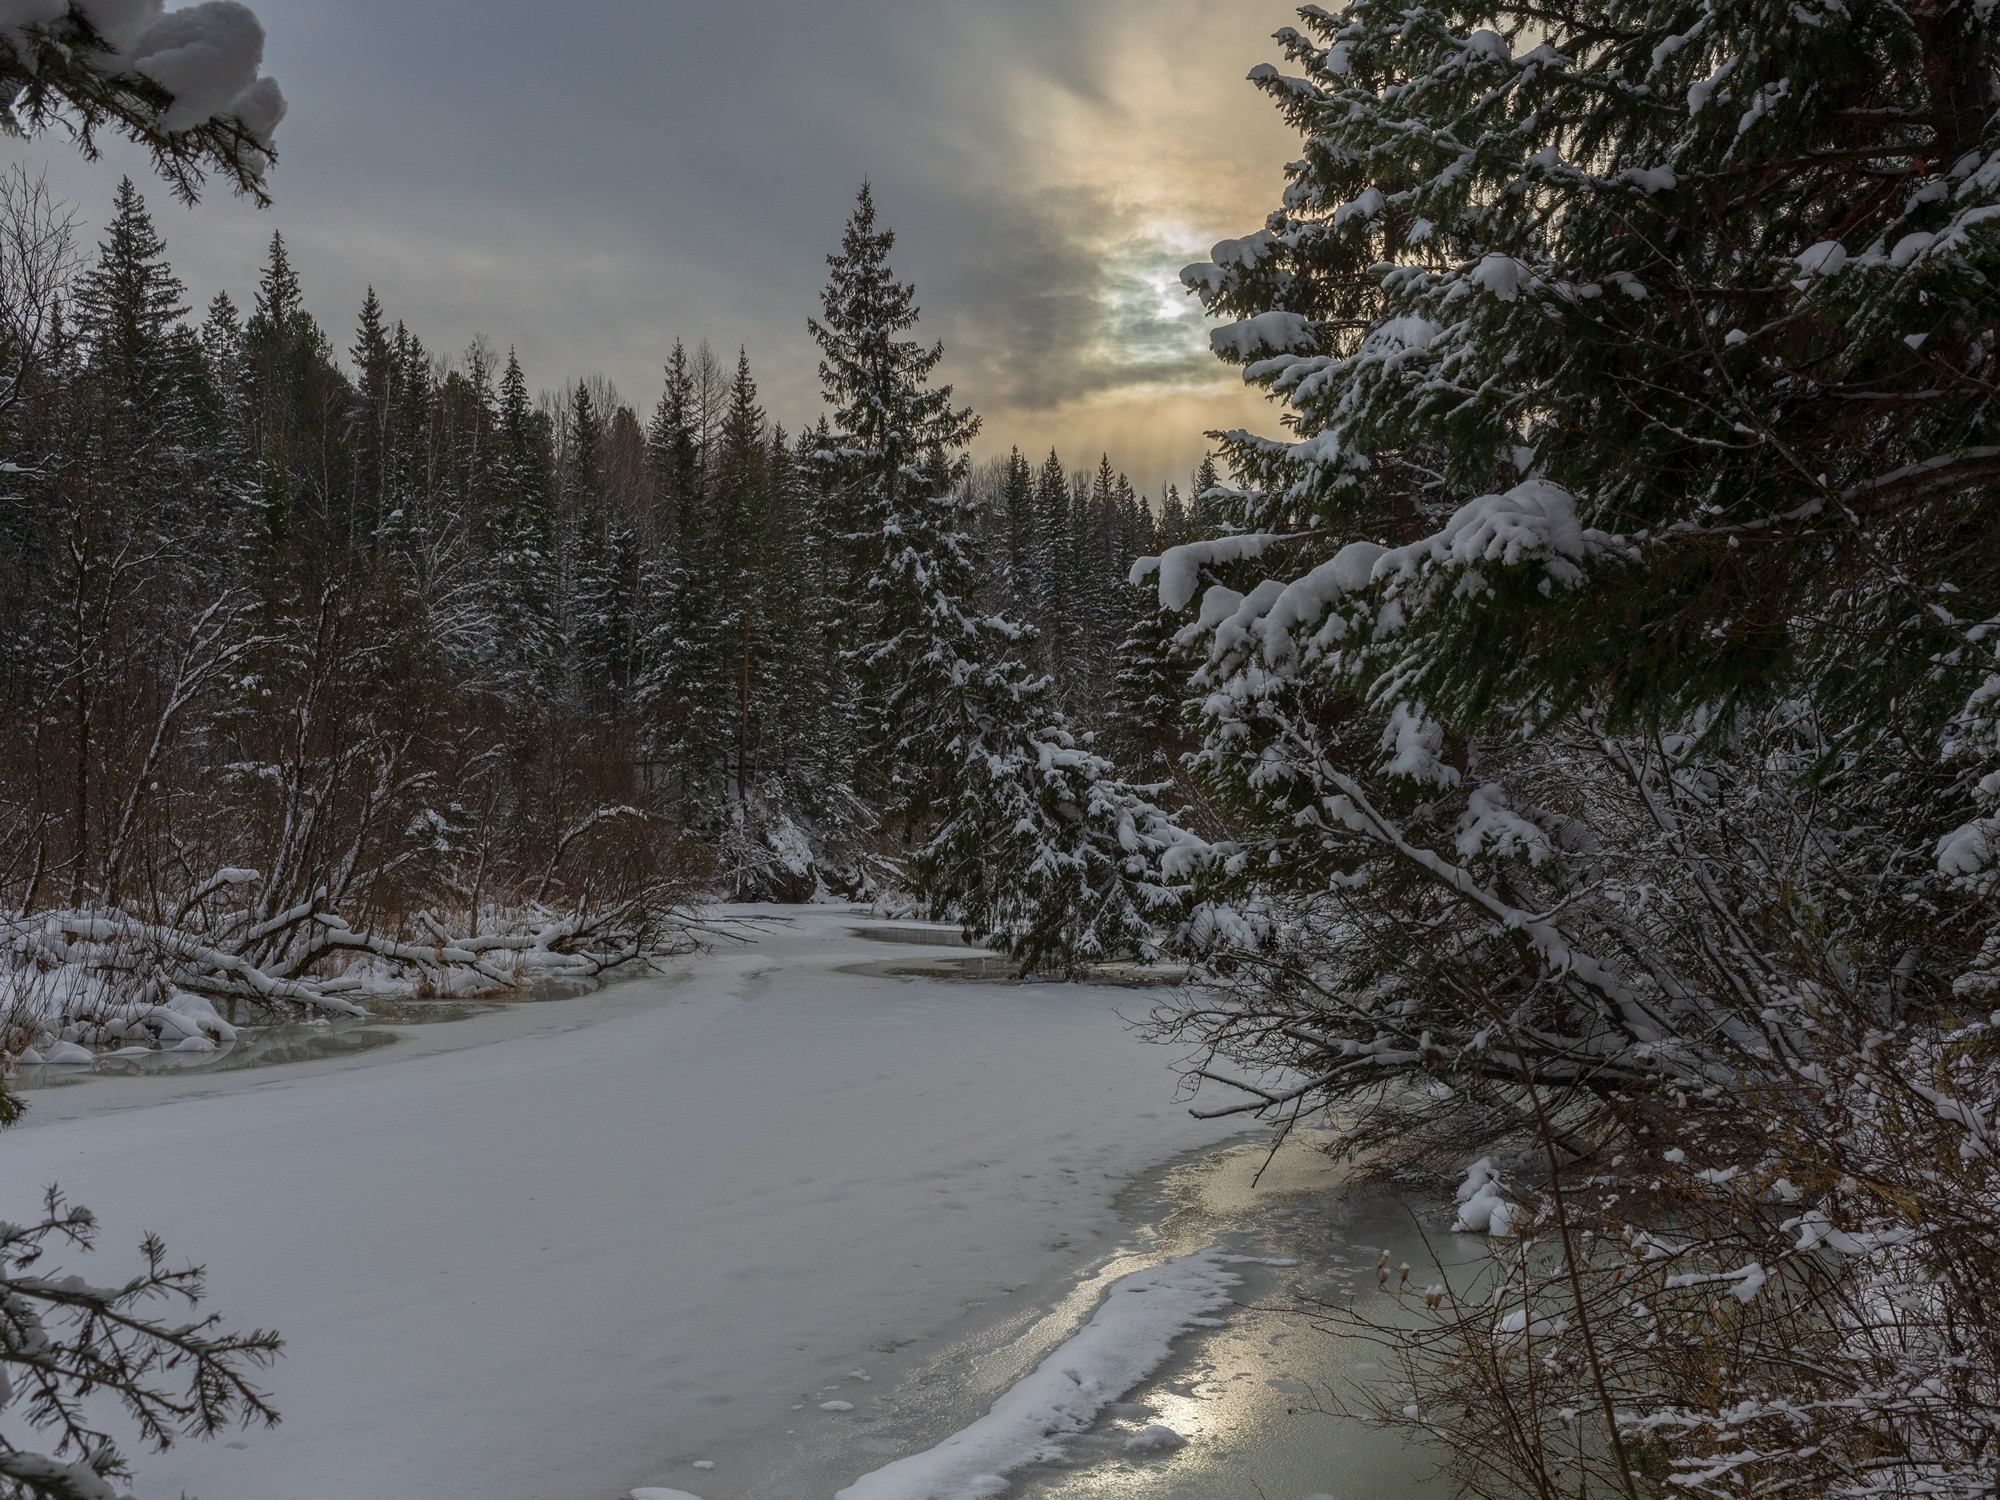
1259 1401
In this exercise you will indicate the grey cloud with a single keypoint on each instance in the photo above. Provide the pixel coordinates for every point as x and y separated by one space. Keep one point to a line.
589 180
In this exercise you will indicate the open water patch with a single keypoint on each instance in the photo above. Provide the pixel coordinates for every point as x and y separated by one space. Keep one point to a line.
1263 1406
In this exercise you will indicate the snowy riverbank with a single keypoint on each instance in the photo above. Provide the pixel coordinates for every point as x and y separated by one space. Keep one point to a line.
566 1248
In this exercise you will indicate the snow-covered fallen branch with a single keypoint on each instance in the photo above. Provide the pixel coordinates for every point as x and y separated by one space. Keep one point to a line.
75 979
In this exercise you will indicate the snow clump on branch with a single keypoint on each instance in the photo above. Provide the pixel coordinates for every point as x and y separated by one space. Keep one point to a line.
185 82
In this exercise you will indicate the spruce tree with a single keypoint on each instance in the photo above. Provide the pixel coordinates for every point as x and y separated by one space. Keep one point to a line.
1672 341
784 674
1053 545
1174 525
523 598
220 471
745 523
371 430
1202 501
298 408
673 451
831 752
688 688
411 525
1011 824
896 458
1017 525
125 309
598 563
1149 690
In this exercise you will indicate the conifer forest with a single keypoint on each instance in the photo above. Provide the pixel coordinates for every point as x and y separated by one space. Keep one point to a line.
1517 824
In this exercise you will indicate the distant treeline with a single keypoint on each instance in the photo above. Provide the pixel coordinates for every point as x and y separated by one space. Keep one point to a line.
392 628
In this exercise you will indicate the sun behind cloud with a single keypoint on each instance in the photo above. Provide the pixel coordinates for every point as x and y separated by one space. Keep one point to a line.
1124 175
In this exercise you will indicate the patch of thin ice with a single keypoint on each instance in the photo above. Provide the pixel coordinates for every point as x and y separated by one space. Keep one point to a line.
1127 1340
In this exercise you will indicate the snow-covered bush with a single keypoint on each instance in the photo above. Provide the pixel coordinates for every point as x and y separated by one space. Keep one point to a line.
357 837
1789 1299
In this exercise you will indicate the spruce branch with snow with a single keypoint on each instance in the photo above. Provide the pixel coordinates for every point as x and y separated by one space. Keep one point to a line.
184 84
70 1348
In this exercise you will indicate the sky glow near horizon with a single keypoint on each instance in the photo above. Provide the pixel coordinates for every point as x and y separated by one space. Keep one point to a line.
588 181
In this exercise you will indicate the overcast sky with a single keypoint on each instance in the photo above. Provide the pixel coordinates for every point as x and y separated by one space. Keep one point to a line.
587 180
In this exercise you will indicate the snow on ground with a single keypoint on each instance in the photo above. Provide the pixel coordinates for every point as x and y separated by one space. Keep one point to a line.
1130 1337
561 1262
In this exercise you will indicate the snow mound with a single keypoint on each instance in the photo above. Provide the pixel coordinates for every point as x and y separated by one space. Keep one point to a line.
659 1494
1481 1209
1155 1439
1267 333
1127 1340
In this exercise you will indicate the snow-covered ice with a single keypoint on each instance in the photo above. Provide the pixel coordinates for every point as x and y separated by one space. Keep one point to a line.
566 1249
1127 1340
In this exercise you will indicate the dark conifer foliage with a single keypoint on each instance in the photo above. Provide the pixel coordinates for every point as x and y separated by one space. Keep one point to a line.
361 642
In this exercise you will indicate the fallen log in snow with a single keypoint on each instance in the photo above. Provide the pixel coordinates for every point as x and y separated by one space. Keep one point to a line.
73 979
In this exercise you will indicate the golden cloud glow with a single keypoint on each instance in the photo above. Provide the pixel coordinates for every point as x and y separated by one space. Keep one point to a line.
1156 151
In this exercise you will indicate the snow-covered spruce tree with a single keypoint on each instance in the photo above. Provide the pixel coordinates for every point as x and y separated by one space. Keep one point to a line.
1012 826
1602 669
896 447
1149 687
182 83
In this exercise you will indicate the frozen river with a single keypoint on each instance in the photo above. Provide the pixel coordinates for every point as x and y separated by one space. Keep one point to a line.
562 1250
